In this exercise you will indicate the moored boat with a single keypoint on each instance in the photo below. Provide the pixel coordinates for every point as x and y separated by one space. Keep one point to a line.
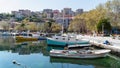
6 34
24 36
65 40
79 45
41 38
79 53
21 38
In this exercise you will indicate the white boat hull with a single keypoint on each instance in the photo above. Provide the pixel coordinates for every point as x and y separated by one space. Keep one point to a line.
97 54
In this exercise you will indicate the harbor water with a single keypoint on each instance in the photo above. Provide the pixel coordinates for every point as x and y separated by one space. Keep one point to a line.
36 55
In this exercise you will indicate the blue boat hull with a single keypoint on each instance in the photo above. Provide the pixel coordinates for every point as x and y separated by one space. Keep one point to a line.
41 38
60 43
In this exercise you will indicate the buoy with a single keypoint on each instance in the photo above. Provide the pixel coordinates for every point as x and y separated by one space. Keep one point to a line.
14 62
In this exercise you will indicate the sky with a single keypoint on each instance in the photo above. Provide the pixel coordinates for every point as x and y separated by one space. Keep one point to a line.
38 5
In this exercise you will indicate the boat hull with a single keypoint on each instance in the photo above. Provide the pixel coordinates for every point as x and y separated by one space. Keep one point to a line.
64 43
59 53
6 34
80 56
41 38
20 38
53 42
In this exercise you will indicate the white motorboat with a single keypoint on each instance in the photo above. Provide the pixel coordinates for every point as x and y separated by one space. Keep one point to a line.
79 53
64 40
6 34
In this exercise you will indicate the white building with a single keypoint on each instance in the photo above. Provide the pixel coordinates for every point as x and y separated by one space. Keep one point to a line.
37 13
48 13
79 11
65 17
21 13
56 14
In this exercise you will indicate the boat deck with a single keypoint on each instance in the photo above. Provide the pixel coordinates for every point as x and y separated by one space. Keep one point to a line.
79 45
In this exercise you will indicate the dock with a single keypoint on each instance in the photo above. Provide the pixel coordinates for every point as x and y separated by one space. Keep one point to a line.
98 41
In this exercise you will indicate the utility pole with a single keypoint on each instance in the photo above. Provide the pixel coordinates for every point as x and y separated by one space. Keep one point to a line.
103 28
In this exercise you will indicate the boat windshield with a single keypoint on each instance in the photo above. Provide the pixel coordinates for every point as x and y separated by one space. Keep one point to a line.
58 34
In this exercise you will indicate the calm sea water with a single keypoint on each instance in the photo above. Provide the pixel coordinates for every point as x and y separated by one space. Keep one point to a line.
36 55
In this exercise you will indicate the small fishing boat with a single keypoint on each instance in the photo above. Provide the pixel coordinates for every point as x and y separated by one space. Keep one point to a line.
79 53
29 37
21 38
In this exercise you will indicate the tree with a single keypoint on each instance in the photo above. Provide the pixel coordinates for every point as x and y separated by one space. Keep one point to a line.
78 25
31 26
92 17
41 27
46 27
56 27
104 26
4 16
113 12
23 25
4 25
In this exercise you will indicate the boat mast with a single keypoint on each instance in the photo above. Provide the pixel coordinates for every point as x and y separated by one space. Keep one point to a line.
63 23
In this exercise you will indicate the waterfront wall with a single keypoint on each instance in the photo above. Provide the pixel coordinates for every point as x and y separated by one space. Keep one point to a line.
98 41
114 49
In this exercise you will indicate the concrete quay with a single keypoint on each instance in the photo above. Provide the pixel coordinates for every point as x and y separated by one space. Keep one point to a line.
98 41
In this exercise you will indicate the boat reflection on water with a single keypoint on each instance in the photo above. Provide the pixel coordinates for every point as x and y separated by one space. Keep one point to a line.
26 48
23 47
54 47
35 54
106 62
